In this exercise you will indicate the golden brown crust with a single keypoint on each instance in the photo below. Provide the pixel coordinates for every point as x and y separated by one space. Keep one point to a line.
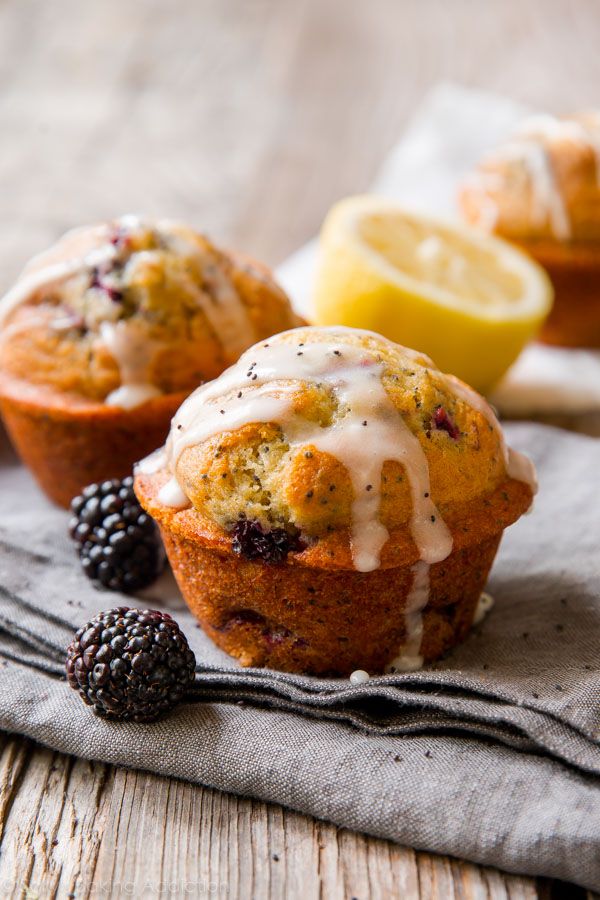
320 620
68 445
469 522
315 613
266 302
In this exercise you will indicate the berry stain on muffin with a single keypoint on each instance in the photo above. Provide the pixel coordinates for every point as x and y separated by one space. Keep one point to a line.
443 422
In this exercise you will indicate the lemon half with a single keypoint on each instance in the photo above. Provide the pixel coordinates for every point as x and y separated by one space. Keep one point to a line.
468 300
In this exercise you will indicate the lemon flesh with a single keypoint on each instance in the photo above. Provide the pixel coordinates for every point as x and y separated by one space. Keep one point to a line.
469 301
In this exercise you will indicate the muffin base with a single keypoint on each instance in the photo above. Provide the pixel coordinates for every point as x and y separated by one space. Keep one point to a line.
319 621
574 320
67 444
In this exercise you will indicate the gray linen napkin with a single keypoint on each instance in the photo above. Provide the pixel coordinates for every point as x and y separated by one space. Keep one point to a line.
492 754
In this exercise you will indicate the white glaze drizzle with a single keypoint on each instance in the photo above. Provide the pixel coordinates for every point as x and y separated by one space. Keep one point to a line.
548 203
134 352
261 387
171 495
484 606
74 244
31 283
269 375
152 463
224 310
21 326
217 297
518 466
577 130
66 322
409 659
359 676
594 139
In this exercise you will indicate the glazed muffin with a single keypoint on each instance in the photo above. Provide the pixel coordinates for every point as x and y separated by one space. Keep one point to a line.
104 334
334 502
541 190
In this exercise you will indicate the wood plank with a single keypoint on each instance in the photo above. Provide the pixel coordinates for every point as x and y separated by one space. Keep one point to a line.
74 828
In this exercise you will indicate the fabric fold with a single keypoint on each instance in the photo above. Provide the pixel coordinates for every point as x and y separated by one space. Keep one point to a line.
466 756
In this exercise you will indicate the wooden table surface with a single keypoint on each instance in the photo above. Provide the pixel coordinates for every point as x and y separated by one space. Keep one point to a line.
247 118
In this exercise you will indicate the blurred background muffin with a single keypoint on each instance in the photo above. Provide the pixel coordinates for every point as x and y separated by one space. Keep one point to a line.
541 189
334 502
104 334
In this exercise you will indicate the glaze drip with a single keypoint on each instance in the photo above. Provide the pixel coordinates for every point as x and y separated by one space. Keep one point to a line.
224 310
171 495
268 377
548 203
153 463
409 659
484 606
134 352
518 466
583 130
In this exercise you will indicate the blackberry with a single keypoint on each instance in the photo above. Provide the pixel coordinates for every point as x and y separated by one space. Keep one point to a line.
130 664
118 543
251 541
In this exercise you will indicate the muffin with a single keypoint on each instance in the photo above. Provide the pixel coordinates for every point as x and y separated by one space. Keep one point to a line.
103 336
541 190
334 502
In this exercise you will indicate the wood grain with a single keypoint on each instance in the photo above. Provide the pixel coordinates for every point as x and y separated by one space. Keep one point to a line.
74 828
247 119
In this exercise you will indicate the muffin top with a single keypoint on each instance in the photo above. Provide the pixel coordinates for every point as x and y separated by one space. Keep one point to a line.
541 184
129 309
338 443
